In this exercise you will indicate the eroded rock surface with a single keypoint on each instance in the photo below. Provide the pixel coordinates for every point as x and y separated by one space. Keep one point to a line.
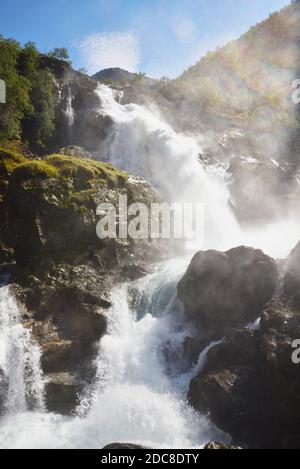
249 386
227 289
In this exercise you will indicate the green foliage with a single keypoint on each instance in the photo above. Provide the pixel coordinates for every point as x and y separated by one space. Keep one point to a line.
31 99
17 90
60 53
40 125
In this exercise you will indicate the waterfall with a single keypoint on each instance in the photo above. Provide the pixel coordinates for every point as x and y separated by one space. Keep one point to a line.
19 358
139 394
141 142
69 111
142 380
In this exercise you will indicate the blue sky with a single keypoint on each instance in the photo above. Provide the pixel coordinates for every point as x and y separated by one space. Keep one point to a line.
158 37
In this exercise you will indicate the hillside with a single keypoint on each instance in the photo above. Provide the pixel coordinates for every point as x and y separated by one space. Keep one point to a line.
120 76
247 83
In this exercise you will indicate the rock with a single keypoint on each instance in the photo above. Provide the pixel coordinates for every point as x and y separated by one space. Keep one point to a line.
231 398
64 274
62 391
254 396
214 445
123 446
291 278
75 151
249 385
221 290
259 189
3 391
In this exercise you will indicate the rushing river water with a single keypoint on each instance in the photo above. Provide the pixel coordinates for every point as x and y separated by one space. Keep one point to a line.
139 395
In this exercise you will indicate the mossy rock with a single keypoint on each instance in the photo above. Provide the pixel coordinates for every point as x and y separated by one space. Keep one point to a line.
84 170
9 160
34 170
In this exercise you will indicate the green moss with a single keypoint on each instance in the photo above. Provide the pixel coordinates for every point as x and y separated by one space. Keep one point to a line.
82 198
34 170
9 160
86 170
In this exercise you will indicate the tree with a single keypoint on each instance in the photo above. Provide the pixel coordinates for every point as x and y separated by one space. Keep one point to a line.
28 61
39 126
60 53
17 90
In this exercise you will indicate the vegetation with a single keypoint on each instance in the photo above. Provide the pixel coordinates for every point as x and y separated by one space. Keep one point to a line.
29 113
9 161
254 71
85 170
34 170
60 53
82 172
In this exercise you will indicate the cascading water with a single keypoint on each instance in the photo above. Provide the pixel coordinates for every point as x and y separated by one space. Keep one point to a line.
19 359
69 113
140 391
142 143
139 395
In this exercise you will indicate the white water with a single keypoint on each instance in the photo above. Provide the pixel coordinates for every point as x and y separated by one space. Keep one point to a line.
19 358
69 111
142 143
137 397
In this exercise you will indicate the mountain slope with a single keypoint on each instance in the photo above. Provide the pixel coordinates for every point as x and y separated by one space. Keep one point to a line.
259 66
113 75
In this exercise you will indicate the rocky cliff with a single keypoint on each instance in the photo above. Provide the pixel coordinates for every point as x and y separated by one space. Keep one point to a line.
249 384
62 273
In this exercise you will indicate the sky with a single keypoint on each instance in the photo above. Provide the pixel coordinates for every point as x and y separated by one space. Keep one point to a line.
156 37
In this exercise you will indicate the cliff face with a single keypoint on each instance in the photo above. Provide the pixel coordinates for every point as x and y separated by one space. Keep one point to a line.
62 273
78 121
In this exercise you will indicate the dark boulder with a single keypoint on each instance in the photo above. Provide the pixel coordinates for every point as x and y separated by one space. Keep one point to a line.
63 391
250 386
221 290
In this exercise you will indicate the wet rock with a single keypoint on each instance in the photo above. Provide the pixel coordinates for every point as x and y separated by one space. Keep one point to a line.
221 290
291 279
232 399
214 445
124 446
250 386
64 274
62 391
259 189
3 391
